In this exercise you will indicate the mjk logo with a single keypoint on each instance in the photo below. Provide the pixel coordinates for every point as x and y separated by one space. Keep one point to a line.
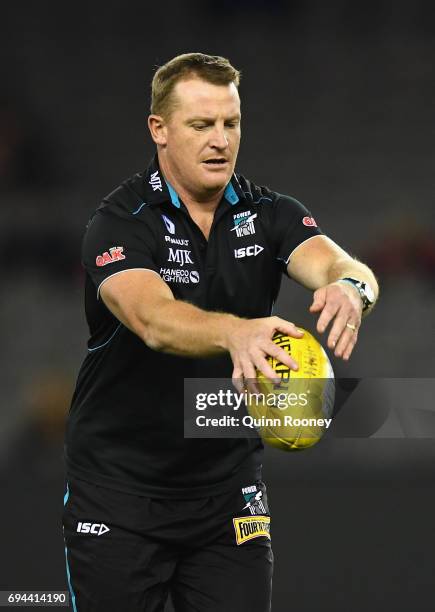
155 181
93 528
180 256
114 254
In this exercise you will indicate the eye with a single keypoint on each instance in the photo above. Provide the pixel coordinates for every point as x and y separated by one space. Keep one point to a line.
199 126
232 124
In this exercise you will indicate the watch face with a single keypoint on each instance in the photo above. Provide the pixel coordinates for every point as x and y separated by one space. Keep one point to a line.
365 291
369 293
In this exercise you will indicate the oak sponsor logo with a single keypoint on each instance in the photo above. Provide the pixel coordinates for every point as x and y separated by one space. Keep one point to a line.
110 256
92 528
250 527
175 275
180 256
250 251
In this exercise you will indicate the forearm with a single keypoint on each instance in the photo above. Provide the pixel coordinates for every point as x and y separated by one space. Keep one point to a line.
183 329
348 267
146 306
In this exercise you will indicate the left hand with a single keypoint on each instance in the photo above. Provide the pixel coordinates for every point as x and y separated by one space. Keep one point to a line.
339 302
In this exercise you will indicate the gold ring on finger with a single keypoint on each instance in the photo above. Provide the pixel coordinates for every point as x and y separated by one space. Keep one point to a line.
351 326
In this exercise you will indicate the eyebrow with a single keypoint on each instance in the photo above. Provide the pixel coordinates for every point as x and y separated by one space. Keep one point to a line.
211 119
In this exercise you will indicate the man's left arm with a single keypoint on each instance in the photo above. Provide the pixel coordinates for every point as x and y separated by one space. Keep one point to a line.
321 265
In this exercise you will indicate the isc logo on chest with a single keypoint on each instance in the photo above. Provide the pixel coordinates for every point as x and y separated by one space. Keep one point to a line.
250 251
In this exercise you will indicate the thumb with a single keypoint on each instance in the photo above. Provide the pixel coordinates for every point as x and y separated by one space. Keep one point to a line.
319 300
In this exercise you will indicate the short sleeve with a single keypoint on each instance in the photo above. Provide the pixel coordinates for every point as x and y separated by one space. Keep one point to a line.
293 225
114 244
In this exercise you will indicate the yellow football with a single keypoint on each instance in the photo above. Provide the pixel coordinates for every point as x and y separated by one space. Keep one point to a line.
295 413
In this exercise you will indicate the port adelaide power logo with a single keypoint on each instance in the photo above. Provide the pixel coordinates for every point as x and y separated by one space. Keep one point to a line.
244 224
253 497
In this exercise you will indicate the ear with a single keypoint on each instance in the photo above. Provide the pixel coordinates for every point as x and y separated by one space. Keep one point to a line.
157 127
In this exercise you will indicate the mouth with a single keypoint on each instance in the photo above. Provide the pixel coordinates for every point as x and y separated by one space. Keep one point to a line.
215 161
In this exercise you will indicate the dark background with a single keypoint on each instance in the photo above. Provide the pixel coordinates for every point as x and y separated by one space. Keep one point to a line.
337 102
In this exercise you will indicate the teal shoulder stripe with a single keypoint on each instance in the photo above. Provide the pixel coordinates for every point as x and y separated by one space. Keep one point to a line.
66 496
71 590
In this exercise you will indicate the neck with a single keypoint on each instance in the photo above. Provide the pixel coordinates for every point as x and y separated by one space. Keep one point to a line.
206 202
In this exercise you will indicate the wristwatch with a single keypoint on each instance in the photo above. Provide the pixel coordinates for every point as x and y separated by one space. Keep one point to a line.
366 292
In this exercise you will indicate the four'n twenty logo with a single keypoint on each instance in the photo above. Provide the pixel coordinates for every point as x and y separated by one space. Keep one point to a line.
114 254
155 181
180 256
92 528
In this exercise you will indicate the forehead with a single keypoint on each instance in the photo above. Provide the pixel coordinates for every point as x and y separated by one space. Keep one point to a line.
195 95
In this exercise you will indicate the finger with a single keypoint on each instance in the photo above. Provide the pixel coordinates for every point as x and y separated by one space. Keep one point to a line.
263 366
328 313
250 376
280 354
319 300
345 339
237 378
338 327
347 342
290 329
348 352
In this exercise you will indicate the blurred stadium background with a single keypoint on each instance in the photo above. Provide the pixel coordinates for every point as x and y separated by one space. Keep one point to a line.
337 102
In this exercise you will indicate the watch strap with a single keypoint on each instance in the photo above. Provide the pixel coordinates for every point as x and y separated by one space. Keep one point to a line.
360 287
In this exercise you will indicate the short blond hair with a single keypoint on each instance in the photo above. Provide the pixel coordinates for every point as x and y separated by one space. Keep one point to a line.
211 68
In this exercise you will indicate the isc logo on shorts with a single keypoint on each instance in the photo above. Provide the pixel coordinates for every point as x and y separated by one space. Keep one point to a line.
93 528
249 527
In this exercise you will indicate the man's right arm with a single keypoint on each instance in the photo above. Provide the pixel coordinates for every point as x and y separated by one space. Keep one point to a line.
144 303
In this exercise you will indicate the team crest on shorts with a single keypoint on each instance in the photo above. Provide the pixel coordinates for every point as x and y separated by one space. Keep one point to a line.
250 527
253 497
244 224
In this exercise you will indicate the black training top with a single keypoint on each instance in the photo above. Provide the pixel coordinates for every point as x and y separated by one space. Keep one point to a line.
125 427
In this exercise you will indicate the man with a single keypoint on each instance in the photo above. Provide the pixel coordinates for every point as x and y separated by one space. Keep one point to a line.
184 263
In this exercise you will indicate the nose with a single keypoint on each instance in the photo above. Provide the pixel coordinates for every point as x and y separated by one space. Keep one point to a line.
218 138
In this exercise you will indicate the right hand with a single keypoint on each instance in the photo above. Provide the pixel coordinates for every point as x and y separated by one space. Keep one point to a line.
249 343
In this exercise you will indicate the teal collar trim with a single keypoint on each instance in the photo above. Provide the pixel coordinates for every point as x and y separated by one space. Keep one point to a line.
174 195
230 194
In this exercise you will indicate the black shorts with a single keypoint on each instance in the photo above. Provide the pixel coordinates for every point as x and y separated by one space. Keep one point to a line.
128 553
